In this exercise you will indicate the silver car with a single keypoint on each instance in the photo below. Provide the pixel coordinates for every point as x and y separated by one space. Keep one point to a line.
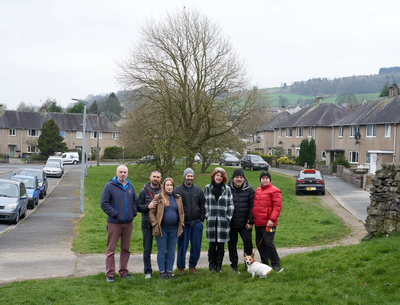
53 169
13 200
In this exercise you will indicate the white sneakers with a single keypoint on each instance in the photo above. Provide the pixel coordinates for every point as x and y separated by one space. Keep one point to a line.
148 276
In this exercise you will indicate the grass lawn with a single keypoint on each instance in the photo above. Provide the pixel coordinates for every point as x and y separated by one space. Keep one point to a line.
366 273
303 221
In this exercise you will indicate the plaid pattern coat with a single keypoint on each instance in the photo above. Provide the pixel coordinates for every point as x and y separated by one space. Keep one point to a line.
218 214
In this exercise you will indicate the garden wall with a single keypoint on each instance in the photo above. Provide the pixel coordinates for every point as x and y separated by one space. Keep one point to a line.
348 175
384 210
324 169
291 167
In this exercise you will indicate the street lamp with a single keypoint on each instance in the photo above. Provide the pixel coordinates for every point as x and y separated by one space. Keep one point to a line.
83 151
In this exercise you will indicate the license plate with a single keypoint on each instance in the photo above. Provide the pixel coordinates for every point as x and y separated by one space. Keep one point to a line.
311 188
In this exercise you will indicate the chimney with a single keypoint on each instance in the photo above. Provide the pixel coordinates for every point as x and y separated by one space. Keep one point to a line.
393 90
283 107
318 100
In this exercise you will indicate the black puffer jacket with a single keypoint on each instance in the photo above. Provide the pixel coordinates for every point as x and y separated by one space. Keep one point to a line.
193 202
243 200
146 195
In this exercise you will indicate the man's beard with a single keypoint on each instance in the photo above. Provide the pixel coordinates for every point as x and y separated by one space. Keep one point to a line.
154 184
189 183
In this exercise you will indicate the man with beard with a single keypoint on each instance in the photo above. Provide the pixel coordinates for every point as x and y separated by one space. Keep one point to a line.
145 203
193 206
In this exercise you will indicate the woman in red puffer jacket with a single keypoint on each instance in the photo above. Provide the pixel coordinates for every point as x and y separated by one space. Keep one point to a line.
266 210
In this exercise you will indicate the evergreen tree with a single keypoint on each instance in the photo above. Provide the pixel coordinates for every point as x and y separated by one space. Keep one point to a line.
54 108
312 153
50 140
303 154
112 108
77 108
93 108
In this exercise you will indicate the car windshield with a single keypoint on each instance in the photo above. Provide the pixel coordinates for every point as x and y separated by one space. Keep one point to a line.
316 175
29 183
226 155
257 159
52 164
55 160
8 190
38 174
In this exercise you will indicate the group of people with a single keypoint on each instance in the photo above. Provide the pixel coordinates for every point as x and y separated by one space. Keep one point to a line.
175 216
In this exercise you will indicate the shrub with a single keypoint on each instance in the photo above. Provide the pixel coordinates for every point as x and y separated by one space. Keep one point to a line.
340 160
285 160
113 152
268 158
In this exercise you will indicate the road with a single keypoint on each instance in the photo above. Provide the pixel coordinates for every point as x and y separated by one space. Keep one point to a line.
7 170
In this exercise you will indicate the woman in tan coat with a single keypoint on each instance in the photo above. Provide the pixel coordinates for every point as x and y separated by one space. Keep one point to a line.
167 220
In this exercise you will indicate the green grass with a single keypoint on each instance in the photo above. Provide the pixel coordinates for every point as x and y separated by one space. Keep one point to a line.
303 221
366 273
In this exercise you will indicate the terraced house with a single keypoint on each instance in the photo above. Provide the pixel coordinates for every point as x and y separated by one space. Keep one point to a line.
370 135
19 131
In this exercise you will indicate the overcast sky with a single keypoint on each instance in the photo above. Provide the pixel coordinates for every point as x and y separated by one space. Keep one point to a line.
67 49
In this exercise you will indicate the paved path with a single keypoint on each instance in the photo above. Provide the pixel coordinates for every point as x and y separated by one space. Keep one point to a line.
40 246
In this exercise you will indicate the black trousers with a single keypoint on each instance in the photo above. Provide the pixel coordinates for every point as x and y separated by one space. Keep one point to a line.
232 244
267 248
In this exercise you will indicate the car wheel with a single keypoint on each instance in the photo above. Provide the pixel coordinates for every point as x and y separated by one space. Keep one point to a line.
220 163
31 206
323 192
297 192
41 195
75 162
243 166
23 215
251 168
45 192
15 221
37 201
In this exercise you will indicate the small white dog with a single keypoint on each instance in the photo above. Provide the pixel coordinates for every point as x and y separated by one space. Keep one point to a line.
255 268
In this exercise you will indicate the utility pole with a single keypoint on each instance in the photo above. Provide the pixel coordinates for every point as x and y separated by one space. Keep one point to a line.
98 130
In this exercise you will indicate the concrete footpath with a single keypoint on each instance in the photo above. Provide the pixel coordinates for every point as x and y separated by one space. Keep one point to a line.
39 247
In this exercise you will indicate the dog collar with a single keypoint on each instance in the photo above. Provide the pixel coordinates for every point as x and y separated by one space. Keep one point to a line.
253 260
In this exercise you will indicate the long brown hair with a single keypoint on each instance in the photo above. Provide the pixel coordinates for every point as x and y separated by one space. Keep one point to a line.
164 197
223 173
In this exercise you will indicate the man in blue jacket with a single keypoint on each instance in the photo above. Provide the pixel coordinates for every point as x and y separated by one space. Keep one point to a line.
119 202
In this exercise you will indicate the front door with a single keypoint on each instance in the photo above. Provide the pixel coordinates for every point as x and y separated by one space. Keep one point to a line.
372 165
12 151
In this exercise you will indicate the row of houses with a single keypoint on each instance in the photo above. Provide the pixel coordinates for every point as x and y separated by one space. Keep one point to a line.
20 130
367 137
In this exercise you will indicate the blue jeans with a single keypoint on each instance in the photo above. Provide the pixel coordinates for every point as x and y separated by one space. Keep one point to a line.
166 246
147 246
194 234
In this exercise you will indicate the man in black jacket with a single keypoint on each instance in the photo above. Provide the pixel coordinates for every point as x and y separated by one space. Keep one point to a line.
242 220
145 203
193 206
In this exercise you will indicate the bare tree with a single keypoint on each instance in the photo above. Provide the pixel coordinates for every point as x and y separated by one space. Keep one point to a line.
190 80
22 106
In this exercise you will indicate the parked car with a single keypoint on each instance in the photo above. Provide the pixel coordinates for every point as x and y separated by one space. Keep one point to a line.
229 159
58 160
146 159
41 175
254 162
310 180
53 169
13 200
70 157
32 188
197 159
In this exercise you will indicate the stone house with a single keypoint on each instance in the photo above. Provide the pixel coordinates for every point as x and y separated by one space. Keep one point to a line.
20 130
313 121
370 135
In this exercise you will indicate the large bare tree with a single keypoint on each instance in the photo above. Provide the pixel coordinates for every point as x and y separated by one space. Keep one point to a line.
191 84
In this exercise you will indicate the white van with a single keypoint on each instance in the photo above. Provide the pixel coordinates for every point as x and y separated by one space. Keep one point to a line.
70 157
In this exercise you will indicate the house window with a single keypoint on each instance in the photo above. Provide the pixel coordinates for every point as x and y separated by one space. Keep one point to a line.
371 131
78 147
387 130
12 132
353 130
33 132
115 135
310 131
280 133
93 135
340 131
95 149
288 151
299 132
79 134
32 149
62 133
367 158
288 132
353 157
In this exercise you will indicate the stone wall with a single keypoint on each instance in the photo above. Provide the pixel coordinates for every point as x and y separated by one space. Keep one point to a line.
349 176
384 211
324 169
291 167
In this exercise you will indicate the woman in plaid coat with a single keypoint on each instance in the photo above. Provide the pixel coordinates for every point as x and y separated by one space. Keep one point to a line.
219 211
